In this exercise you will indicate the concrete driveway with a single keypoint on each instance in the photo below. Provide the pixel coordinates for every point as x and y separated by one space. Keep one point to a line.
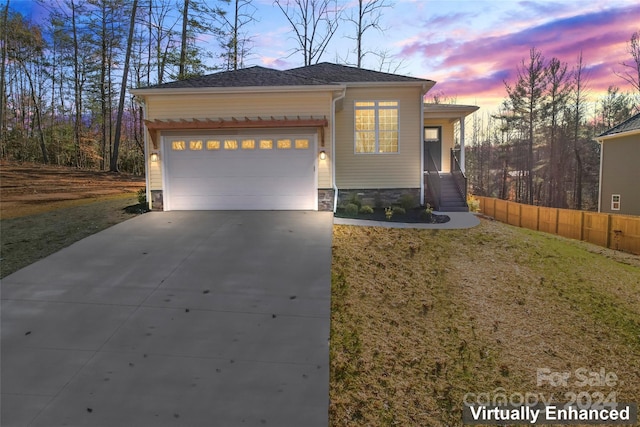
174 319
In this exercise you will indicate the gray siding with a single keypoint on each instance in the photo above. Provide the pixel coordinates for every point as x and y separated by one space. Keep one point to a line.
621 174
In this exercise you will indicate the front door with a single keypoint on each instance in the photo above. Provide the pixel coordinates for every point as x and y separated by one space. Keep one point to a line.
433 146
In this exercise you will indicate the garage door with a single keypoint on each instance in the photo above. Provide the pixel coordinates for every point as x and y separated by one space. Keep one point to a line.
240 172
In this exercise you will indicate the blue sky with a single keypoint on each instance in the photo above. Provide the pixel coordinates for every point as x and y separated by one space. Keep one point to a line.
468 47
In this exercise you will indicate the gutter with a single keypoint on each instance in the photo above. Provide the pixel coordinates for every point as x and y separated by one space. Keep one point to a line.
147 179
333 147
600 178
423 92
229 90
632 132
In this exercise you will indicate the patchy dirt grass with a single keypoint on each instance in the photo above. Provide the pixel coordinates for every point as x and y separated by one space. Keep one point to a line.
26 239
421 318
46 208
30 188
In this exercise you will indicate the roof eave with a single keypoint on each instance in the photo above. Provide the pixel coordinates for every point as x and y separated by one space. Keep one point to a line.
427 84
449 111
240 89
603 138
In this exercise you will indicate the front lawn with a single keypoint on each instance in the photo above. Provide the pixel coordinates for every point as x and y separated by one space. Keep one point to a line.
26 239
422 319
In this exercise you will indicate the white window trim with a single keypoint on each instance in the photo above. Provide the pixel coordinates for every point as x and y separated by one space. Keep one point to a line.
614 202
376 108
438 128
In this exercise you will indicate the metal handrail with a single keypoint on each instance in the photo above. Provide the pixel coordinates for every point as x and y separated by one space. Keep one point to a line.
433 181
458 175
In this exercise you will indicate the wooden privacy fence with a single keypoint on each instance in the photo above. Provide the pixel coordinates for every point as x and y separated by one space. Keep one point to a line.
613 231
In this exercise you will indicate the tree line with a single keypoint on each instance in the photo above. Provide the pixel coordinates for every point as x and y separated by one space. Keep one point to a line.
539 147
64 81
64 87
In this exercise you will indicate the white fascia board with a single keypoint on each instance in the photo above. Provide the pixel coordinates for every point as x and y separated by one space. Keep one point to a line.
425 85
601 139
230 90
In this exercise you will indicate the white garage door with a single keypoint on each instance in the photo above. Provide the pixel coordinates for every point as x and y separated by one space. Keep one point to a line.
238 172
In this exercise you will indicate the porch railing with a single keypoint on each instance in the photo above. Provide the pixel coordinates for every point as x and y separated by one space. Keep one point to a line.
433 181
458 175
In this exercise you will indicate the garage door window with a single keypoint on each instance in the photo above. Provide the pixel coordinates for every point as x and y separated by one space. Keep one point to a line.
284 144
302 144
178 145
213 144
195 145
248 144
266 144
230 144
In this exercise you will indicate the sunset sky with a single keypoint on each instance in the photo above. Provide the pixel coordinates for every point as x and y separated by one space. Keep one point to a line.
469 47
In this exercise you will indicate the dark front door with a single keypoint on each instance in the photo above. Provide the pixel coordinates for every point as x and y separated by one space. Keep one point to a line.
433 146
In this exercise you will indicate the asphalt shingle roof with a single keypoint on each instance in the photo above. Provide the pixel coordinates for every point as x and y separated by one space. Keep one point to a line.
245 77
630 124
312 75
344 74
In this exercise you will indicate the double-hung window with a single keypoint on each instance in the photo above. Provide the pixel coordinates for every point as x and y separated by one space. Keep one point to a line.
376 124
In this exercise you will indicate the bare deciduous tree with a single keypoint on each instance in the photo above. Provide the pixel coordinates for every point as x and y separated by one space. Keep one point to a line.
557 95
526 99
314 23
387 63
123 89
3 58
578 100
183 45
631 74
366 16
234 40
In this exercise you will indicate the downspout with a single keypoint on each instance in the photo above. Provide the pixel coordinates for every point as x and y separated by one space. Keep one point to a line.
600 178
421 139
147 181
462 156
333 148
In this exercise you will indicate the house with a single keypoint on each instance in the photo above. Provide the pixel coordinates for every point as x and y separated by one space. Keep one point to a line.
619 190
306 138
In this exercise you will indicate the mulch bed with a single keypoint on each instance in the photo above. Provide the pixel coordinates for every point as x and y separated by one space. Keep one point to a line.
412 216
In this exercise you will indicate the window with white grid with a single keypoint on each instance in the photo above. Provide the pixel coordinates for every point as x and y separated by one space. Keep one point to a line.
376 127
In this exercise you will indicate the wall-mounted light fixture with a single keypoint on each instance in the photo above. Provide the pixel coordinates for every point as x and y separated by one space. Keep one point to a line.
154 157
323 155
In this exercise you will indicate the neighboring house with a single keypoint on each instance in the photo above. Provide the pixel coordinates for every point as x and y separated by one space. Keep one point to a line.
619 172
306 138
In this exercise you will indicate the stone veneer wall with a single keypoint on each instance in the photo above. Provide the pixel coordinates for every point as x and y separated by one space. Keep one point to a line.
378 198
156 200
325 199
373 198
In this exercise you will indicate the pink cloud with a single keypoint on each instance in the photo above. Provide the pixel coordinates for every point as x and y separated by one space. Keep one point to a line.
478 67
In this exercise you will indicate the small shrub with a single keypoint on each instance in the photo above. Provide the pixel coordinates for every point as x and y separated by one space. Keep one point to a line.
142 196
351 209
473 203
427 213
366 209
397 210
407 201
388 212
355 200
